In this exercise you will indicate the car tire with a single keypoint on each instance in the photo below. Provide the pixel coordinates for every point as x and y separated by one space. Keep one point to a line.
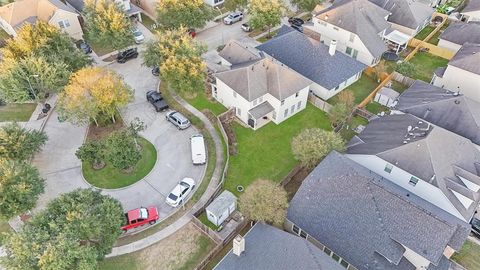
152 222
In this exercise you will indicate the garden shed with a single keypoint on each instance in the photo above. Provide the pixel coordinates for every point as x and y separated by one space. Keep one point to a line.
221 208
386 96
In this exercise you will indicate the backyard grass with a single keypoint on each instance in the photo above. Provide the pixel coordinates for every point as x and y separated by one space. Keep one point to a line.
110 177
201 102
360 89
468 256
375 107
266 152
435 38
347 132
18 112
400 88
425 64
204 219
148 22
425 32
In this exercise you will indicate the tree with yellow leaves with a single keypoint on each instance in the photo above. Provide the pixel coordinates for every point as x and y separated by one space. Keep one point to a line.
187 13
265 13
179 57
93 94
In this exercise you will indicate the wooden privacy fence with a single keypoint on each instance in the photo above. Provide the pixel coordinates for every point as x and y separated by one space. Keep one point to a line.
205 229
290 175
433 49
372 94
319 103
402 79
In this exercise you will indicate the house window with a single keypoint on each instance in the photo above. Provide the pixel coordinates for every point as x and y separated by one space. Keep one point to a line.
303 234
64 24
413 181
239 111
335 257
282 102
274 115
285 113
292 109
344 263
214 91
348 51
355 54
234 94
296 94
295 229
299 104
352 37
388 168
327 251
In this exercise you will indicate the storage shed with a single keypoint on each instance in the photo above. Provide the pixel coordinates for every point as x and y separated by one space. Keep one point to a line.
221 208
386 96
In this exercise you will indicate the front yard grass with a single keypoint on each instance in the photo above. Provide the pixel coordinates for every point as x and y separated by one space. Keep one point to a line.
468 256
425 64
201 102
110 177
360 89
100 50
267 37
425 32
266 152
16 112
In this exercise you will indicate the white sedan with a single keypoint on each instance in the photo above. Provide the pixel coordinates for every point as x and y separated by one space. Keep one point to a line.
180 192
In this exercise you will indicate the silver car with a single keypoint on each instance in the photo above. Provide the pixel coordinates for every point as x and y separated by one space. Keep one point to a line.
178 119
138 35
233 17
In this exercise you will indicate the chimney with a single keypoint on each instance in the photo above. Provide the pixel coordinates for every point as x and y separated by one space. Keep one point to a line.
238 245
333 47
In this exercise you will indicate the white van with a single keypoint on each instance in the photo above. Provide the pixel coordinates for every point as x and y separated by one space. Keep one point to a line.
197 144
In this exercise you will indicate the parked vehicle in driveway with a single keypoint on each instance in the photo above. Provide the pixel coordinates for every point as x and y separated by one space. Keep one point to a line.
475 226
180 192
178 119
192 32
139 217
84 47
197 145
233 17
246 27
295 21
138 36
126 55
156 99
156 71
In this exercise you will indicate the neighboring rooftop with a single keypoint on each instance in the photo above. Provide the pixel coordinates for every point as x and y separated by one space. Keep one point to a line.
255 79
408 13
268 248
451 111
361 17
461 32
467 58
311 59
389 92
236 52
435 155
79 4
473 5
368 220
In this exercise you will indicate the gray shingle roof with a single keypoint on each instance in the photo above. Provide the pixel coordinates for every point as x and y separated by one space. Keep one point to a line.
408 13
237 53
460 33
456 113
467 58
261 110
389 92
365 218
429 152
222 202
311 59
361 17
473 5
79 4
268 248
257 78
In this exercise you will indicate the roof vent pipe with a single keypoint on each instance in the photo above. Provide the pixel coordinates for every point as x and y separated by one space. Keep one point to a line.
333 47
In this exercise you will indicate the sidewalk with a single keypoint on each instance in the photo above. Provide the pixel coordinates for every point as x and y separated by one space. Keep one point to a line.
178 224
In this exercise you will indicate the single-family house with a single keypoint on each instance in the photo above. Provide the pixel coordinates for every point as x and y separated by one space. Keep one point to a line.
386 96
130 9
407 16
261 90
449 110
54 12
214 3
329 71
459 33
471 12
268 248
357 26
431 162
462 73
364 221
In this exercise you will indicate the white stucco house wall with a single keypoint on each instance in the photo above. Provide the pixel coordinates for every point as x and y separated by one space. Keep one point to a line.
462 73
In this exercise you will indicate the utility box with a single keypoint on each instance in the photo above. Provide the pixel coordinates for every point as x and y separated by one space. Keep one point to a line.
221 208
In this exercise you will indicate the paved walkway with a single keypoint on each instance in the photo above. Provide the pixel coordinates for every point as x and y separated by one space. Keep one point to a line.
178 224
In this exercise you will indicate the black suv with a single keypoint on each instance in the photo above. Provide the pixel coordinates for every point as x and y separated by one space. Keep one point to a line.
156 100
475 227
122 57
84 47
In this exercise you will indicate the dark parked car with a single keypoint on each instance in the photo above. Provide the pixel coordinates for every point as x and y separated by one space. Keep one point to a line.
157 100
299 28
156 71
295 21
128 54
476 226
84 47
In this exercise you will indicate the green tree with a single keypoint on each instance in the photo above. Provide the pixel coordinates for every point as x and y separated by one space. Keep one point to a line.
264 200
265 13
338 114
20 186
235 4
406 68
179 57
173 14
17 143
73 232
347 97
93 93
307 5
92 152
107 24
31 78
122 152
135 127
311 145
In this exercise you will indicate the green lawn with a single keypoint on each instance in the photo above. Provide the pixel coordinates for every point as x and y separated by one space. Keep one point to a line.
4 228
268 37
204 245
201 102
468 256
204 219
375 107
426 64
124 262
110 177
266 152
100 50
361 89
148 22
398 87
435 38
3 35
425 32
19 112
348 133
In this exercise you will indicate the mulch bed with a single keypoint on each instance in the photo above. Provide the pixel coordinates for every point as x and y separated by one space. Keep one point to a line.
296 182
99 132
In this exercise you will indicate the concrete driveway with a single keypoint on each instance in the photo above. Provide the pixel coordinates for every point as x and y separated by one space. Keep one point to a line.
222 33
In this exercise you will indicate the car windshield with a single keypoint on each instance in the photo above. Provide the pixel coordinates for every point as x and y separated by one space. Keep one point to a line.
231 16
184 122
476 222
137 33
173 197
183 184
